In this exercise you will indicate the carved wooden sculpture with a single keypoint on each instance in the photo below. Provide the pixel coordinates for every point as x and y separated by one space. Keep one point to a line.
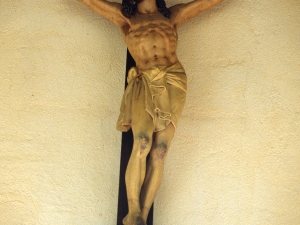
155 95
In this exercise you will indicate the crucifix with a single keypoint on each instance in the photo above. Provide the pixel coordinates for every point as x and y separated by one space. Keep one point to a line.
155 95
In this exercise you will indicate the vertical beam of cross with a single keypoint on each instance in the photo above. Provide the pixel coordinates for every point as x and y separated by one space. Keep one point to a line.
126 147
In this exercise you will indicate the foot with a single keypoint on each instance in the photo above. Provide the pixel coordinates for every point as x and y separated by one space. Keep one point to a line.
133 220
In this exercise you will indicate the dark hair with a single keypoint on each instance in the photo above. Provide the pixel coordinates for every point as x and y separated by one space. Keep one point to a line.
129 7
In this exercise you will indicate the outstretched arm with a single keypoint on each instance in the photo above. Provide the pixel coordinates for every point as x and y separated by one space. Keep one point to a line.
109 10
182 12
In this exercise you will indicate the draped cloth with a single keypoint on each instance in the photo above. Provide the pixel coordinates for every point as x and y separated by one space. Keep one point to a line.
160 90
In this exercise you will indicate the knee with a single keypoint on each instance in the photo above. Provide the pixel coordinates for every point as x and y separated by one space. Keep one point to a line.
160 150
143 142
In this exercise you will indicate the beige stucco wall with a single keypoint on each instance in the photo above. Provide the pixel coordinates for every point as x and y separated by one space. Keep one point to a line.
235 158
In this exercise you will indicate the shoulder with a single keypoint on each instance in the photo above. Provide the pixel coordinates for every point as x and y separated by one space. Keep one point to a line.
176 14
110 10
184 12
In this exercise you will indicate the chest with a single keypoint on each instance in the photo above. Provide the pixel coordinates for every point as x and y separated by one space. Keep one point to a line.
149 20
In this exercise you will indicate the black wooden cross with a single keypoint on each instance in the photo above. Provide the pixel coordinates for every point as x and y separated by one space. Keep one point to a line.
126 147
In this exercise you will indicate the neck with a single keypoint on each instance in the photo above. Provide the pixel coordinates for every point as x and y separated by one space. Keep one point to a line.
147 6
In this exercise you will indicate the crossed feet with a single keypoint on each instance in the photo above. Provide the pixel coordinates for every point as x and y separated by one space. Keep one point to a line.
133 220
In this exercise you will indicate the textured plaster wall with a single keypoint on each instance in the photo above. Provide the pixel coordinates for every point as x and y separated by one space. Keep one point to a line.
62 74
235 158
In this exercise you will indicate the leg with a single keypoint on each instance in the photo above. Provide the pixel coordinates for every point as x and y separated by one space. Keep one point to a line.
161 143
155 167
135 171
142 128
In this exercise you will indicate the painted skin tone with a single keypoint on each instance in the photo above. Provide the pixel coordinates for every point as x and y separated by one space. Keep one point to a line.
151 39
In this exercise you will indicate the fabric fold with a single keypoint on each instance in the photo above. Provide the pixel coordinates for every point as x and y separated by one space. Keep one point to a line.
163 95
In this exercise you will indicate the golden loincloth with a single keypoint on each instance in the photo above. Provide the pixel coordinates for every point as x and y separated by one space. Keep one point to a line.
161 91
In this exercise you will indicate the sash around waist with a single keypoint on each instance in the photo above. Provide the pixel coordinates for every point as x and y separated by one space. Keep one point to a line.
163 95
175 75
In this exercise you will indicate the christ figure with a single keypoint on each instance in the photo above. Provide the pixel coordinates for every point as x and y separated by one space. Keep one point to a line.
156 91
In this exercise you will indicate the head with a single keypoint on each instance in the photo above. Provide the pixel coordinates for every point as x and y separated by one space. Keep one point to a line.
129 7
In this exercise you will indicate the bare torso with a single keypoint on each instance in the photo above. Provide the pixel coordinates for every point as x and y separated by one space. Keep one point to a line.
151 39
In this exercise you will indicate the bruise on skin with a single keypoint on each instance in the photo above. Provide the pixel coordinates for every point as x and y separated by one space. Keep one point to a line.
161 150
144 141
